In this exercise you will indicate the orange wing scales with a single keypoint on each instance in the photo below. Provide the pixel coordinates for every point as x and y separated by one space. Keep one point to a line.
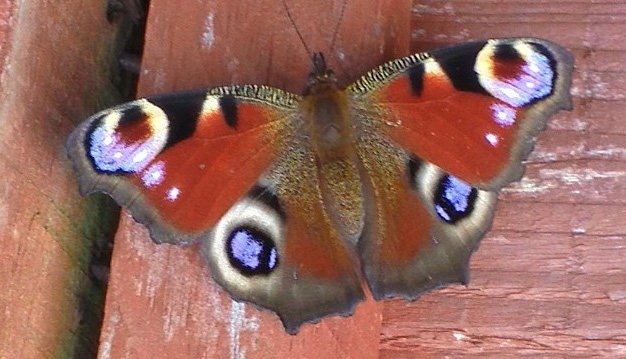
315 246
202 177
456 129
397 225
314 273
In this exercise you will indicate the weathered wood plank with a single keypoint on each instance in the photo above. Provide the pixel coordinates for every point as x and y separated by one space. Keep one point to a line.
549 281
52 76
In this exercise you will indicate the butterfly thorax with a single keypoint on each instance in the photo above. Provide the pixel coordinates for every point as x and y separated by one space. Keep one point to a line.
329 123
326 114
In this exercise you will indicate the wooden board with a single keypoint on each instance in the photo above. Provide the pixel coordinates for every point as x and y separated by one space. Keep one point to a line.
549 281
52 76
161 300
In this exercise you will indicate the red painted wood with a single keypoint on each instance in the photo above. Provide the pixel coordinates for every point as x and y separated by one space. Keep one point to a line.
50 79
162 301
549 280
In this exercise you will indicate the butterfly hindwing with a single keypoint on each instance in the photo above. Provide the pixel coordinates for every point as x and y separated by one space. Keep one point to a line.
313 270
280 251
423 227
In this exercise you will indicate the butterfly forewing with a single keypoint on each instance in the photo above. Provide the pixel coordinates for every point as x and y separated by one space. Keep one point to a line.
474 109
180 161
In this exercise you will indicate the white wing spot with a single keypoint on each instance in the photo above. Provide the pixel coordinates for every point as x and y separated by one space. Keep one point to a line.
172 194
108 139
492 139
211 105
140 156
510 93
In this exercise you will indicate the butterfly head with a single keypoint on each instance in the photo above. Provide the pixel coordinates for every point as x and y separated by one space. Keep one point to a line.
320 77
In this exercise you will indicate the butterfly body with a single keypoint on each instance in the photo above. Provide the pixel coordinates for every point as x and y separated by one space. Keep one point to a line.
297 200
331 132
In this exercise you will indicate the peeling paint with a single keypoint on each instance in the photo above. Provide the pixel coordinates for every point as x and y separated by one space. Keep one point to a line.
571 123
422 9
4 214
619 349
109 335
208 35
596 88
549 179
341 55
617 295
239 323
530 185
459 336
172 318
417 33
144 250
608 152
154 275
581 150
580 176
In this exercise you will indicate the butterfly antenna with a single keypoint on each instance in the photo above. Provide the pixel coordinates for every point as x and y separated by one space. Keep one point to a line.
293 23
341 12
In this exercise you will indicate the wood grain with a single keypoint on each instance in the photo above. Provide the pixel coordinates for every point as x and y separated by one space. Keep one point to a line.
50 78
549 280
161 300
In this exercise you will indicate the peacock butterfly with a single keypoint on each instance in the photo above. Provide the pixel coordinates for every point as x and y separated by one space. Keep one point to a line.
295 199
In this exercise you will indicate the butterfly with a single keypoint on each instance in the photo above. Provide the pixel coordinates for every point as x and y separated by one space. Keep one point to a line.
298 200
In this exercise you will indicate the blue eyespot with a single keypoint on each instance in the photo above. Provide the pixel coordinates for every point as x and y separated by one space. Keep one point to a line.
251 251
454 199
126 141
517 76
